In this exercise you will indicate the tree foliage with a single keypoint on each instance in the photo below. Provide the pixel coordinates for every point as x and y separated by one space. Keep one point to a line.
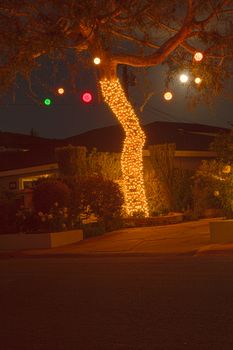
209 182
129 32
223 146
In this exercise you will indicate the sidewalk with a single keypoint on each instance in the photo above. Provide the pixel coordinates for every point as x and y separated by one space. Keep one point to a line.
189 238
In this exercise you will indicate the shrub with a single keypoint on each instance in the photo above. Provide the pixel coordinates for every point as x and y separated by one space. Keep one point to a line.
8 209
27 220
162 158
48 192
155 193
226 194
102 197
207 183
223 146
75 185
72 160
93 229
94 195
182 189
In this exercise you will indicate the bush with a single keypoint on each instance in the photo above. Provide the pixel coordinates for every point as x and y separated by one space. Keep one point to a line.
102 198
8 209
182 190
100 227
27 220
214 187
95 196
93 229
48 192
226 194
72 160
75 185
206 189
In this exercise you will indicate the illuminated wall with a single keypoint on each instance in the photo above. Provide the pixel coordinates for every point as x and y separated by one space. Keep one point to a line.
131 158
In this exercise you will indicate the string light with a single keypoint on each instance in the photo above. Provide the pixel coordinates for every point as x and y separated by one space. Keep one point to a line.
168 96
198 56
131 158
197 80
226 169
97 60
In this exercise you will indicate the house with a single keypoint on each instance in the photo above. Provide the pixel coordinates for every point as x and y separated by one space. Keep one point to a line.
24 158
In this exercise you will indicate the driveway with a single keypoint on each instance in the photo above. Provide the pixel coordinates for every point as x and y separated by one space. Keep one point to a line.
188 238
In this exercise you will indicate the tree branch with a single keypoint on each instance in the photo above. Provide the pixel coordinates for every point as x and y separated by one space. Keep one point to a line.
160 55
214 13
132 38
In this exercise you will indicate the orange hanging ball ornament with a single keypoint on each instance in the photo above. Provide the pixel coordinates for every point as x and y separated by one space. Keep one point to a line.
60 91
168 96
198 80
198 56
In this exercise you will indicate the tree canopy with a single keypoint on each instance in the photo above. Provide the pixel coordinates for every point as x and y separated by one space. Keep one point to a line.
130 32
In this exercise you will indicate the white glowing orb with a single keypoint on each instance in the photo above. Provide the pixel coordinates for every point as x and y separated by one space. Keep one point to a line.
168 96
97 60
197 80
198 56
184 78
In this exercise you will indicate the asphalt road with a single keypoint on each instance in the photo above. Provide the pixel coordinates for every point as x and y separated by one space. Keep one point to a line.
117 303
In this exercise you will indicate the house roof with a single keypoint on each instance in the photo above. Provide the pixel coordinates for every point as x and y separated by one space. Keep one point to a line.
185 136
21 151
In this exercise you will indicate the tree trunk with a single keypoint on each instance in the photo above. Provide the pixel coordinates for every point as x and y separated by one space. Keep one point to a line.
131 158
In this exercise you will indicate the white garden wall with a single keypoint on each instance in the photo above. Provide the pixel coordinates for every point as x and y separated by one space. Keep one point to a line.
21 241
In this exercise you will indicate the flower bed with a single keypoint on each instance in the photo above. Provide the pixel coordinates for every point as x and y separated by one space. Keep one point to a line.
172 218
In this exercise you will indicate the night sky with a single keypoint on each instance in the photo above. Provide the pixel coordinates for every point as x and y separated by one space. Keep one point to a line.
69 116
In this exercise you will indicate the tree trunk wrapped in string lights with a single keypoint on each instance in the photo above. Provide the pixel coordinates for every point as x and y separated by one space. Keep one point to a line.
131 159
